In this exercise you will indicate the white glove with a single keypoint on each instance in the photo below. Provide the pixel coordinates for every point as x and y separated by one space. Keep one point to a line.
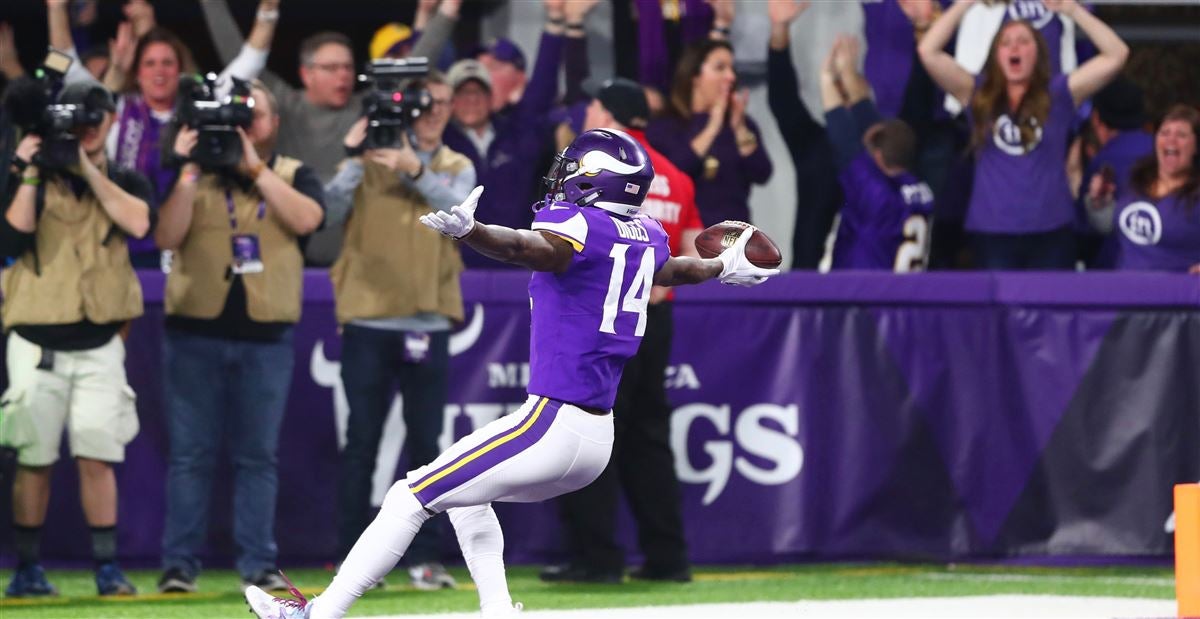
459 221
739 271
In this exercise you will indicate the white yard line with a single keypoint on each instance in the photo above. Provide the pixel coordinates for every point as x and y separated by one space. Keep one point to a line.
976 607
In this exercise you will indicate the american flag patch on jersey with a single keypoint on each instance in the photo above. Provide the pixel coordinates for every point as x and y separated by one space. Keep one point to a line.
631 188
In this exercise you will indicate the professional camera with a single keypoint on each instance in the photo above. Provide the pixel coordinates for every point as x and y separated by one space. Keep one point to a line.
393 102
43 107
215 117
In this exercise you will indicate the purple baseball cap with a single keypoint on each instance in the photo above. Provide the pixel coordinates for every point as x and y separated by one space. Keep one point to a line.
504 50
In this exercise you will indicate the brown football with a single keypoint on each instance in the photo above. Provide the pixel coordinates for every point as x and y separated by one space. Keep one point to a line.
761 250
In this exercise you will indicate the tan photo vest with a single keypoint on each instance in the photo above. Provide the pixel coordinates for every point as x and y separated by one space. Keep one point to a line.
80 268
199 282
391 264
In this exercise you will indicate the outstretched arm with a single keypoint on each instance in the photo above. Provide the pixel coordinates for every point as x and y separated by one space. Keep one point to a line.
1088 79
731 267
941 66
436 29
539 251
681 270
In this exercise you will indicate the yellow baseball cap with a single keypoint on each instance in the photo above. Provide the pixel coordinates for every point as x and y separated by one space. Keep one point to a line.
388 37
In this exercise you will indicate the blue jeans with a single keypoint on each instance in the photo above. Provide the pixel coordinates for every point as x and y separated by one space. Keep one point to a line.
1035 251
372 367
218 387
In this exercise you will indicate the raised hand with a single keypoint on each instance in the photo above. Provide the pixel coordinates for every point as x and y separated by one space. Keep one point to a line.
782 12
140 13
460 221
716 116
846 61
121 49
10 65
737 108
450 8
1065 7
1101 190
738 270
577 10
723 12
555 9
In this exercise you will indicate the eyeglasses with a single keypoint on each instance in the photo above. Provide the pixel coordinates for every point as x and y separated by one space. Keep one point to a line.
439 103
333 67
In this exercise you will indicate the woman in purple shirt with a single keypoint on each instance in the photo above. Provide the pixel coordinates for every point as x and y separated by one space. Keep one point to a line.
707 134
1158 219
1020 212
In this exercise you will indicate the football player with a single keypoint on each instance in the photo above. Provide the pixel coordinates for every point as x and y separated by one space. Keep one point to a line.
595 258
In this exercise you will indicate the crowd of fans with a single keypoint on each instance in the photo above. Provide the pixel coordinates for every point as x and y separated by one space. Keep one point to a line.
1019 130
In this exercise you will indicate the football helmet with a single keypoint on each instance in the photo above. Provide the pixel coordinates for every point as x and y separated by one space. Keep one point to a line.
604 168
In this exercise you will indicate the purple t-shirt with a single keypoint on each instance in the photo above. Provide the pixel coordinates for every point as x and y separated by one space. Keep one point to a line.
1157 235
885 220
1019 190
588 321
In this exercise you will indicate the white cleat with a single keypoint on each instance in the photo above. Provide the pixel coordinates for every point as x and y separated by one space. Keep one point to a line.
266 606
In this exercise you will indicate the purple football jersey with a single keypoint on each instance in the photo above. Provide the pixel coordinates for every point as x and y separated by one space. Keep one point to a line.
1157 235
885 220
588 321
1019 190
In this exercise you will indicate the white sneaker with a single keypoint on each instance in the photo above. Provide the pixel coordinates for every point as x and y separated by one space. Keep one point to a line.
266 606
431 577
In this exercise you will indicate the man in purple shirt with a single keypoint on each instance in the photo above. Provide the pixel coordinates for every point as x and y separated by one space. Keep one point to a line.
505 145
595 258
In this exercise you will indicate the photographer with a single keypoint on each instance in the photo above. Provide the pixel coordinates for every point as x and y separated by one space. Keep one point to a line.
327 106
147 62
397 291
67 294
232 297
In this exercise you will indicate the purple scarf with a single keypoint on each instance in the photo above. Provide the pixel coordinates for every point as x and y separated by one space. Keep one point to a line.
138 135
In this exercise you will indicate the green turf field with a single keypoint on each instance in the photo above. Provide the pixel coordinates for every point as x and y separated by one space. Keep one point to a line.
220 596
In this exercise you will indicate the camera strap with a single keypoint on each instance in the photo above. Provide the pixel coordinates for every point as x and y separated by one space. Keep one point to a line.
39 205
262 209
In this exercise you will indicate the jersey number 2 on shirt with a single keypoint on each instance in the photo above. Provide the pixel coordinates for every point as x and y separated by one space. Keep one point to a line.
914 251
637 298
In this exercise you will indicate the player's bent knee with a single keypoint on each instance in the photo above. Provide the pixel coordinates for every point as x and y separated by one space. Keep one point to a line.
400 501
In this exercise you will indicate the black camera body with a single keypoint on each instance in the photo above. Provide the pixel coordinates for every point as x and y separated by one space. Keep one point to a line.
33 105
393 101
215 118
